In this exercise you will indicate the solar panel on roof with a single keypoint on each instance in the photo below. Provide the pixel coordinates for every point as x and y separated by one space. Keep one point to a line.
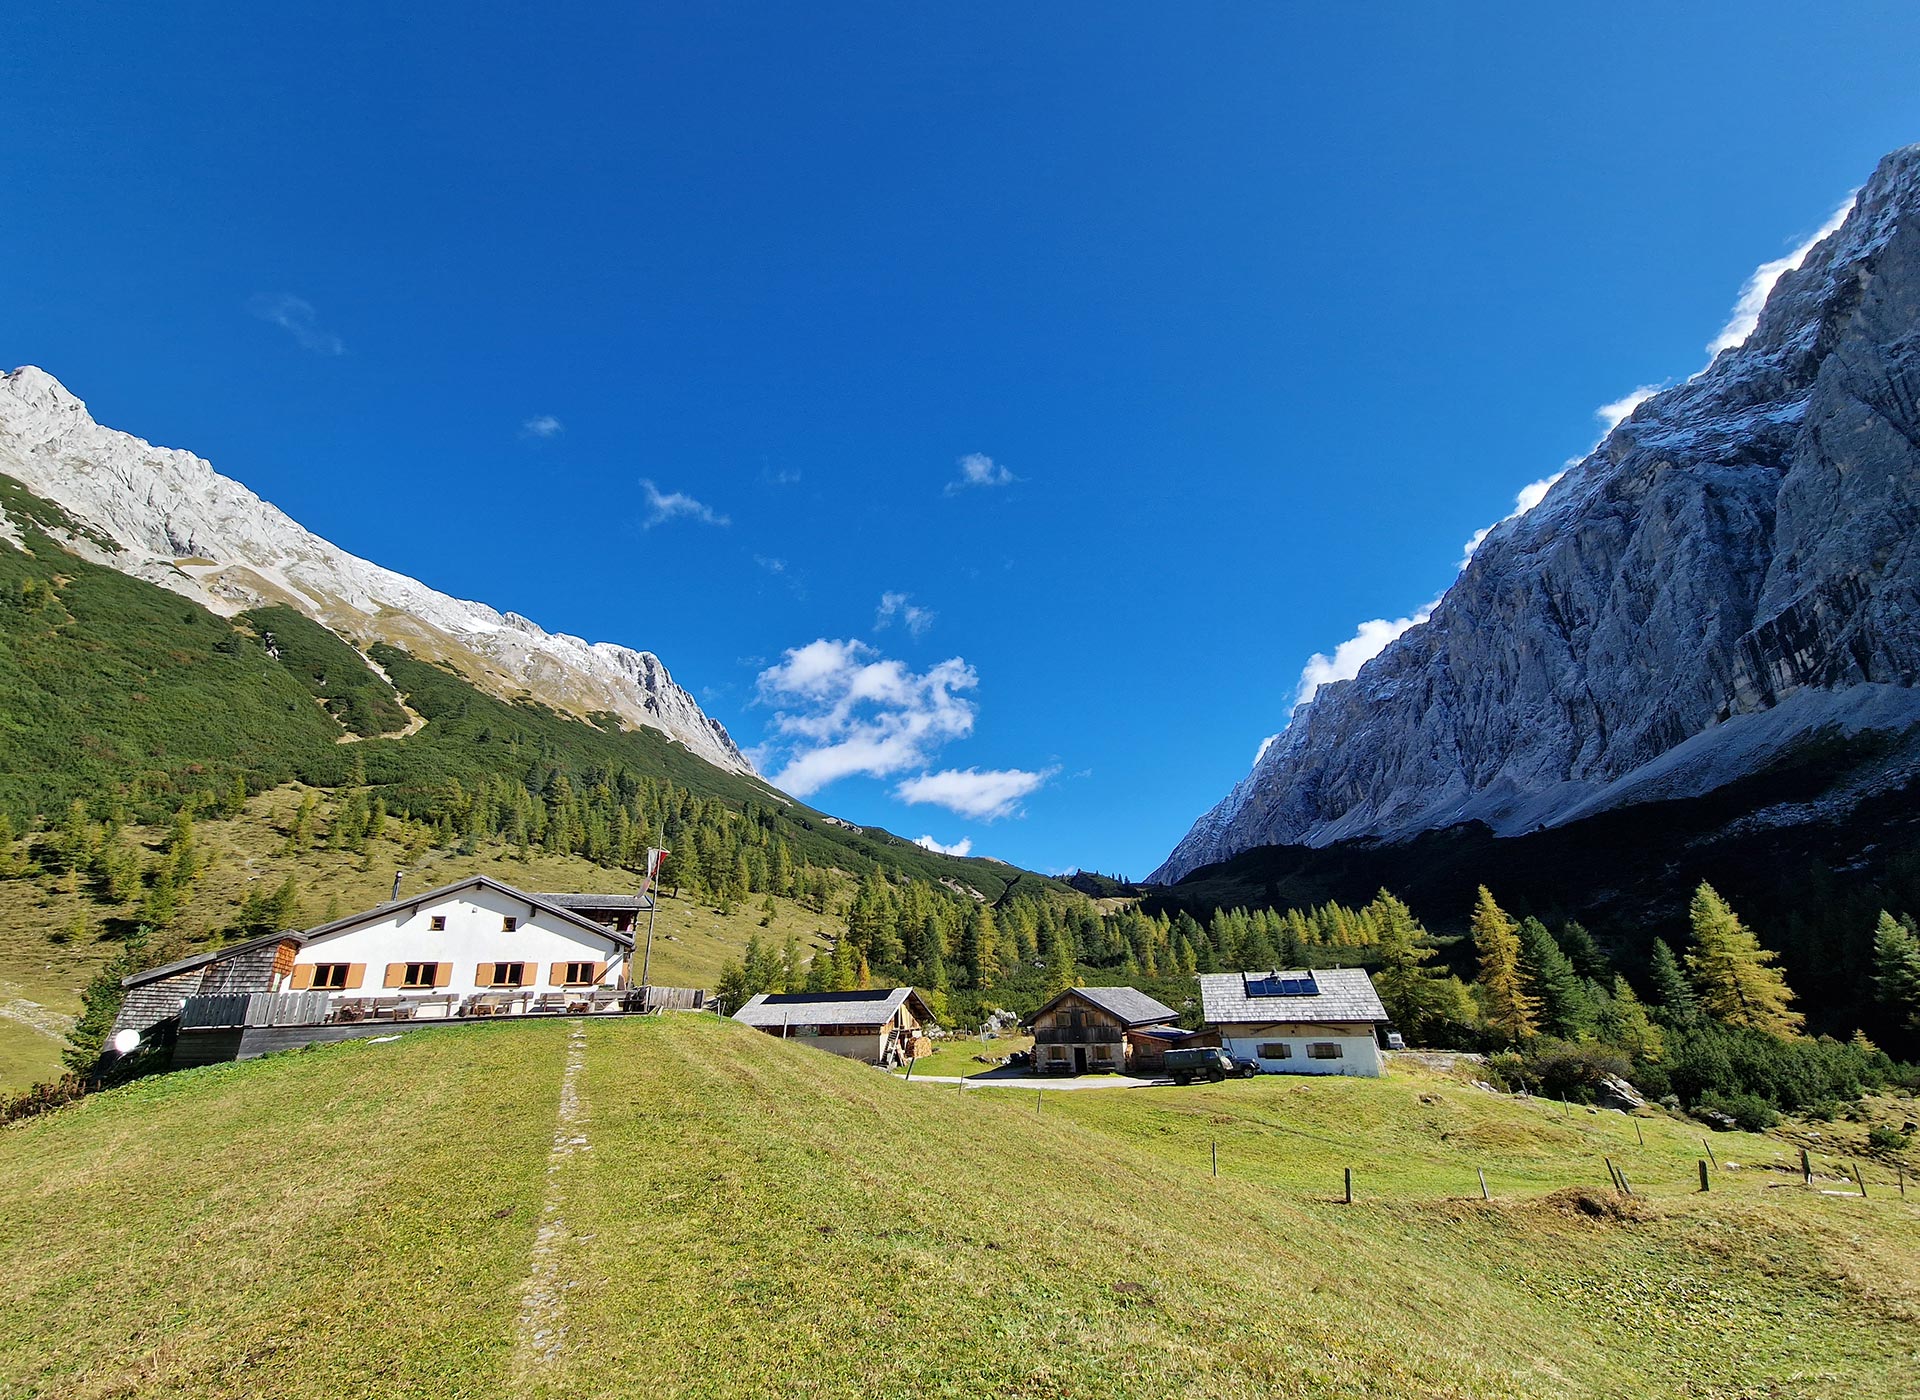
1283 984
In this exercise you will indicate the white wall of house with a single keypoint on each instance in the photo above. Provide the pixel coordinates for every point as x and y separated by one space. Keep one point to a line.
474 934
867 1046
1359 1053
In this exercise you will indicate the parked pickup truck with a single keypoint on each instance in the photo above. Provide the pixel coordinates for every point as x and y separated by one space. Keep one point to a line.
1212 1064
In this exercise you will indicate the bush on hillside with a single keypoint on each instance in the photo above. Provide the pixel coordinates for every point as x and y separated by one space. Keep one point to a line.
1560 1069
1753 1113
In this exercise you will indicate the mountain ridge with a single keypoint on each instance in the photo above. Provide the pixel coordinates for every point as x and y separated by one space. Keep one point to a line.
1726 575
167 516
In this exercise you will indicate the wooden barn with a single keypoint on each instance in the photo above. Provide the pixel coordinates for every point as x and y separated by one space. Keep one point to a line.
1102 1028
885 1026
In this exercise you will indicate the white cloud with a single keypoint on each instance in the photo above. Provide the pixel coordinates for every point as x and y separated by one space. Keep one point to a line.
772 566
296 316
1612 415
676 505
984 795
542 425
1366 643
916 619
959 848
1753 294
843 709
978 469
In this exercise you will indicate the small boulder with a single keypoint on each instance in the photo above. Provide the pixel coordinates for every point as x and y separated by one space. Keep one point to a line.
1615 1092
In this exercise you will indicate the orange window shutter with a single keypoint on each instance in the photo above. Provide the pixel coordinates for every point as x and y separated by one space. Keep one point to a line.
302 977
356 974
558 977
442 974
483 975
396 974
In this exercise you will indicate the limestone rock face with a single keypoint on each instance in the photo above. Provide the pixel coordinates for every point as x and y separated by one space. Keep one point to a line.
1731 574
167 516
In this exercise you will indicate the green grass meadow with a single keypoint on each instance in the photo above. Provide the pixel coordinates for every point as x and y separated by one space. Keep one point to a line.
749 1217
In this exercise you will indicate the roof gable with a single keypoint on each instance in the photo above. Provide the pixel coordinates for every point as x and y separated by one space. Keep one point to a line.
385 911
1130 1005
413 903
863 1008
1320 994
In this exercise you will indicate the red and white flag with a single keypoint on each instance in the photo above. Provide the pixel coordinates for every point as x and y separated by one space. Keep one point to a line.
656 857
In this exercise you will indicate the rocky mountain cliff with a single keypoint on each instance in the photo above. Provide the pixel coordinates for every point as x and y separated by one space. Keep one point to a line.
169 517
1729 579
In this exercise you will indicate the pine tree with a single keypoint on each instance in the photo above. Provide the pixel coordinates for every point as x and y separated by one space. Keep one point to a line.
1584 953
1566 1008
790 975
1672 992
1896 969
283 909
1733 975
1511 1009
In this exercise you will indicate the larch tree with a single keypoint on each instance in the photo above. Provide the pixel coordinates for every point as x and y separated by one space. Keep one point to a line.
1734 977
1414 994
1511 1008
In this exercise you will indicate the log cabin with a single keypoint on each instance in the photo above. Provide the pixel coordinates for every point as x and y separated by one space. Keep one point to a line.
1100 1028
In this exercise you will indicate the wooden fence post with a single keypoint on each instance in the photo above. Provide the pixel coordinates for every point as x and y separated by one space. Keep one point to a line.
1216 1156
1613 1172
1710 1157
1485 1195
1703 1175
1637 1133
1806 1168
1902 1173
1349 1185
1860 1181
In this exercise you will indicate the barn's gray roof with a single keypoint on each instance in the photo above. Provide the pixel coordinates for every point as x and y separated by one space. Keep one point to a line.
1132 1006
220 954
1346 994
870 1008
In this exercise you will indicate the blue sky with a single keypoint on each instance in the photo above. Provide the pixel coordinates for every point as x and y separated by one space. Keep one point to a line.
985 410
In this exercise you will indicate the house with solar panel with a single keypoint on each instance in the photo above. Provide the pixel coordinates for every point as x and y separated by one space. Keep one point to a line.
1102 1028
883 1026
1323 1021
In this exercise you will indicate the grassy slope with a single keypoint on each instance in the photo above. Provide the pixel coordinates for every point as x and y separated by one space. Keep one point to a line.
690 941
754 1216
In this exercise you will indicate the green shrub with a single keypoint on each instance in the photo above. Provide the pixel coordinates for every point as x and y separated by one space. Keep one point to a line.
1750 1111
1882 1137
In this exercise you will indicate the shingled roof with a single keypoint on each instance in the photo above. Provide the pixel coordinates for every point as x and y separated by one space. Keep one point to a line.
1130 1005
771 1010
1338 994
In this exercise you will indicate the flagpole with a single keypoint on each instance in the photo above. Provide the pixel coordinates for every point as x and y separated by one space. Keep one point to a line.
650 887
